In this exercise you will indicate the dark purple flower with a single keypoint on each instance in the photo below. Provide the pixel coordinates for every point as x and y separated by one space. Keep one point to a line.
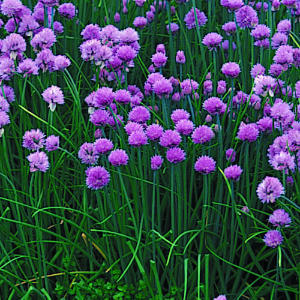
52 143
33 139
269 189
103 145
118 157
233 172
170 138
38 161
265 124
276 69
190 20
205 165
156 162
87 154
280 217
202 134
97 177
273 238
67 10
175 155
230 154
246 17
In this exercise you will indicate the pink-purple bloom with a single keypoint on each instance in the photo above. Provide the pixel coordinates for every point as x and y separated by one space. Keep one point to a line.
273 238
202 134
52 143
280 217
205 165
118 157
87 154
175 155
190 20
34 139
156 162
231 69
38 161
103 145
97 177
269 189
170 138
214 106
53 95
233 172
212 40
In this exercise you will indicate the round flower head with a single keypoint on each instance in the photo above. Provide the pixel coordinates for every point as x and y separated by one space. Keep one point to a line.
246 17
159 59
156 162
280 217
189 86
248 132
190 20
278 40
43 40
53 95
8 93
256 70
139 114
180 57
221 297
140 22
230 154
4 120
162 87
90 32
202 134
261 31
126 53
87 154
13 45
100 117
52 143
214 105
184 127
45 60
175 155
221 88
284 55
122 97
131 127
205 165
103 145
67 10
284 26
212 40
273 238
33 139
269 190
283 161
104 97
233 172
97 177
179 114
61 62
154 132
28 67
229 28
7 68
137 139
4 105
118 157
170 138
231 69
38 161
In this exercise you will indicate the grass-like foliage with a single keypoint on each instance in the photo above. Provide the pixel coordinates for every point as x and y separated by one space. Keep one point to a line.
149 149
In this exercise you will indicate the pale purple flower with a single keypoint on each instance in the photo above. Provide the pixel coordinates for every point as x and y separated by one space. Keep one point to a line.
139 114
284 26
260 32
184 127
205 165
280 217
89 49
231 69
190 20
175 155
100 117
202 134
283 161
221 88
246 17
52 143
276 69
7 68
38 161
137 138
8 93
4 120
221 297
4 105
67 10
263 85
11 7
170 138
284 55
180 57
265 124
87 154
43 40
248 132
256 70
53 95
212 40
140 22
13 45
214 106
126 53
28 67
131 127
278 40
103 145
91 31
154 132
33 139
97 177
159 59
229 28
162 87
273 238
118 157
61 62
45 60
156 162
233 172
269 189
104 97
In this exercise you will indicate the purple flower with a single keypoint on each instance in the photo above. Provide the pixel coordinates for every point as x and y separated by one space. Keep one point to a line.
256 70
175 155
221 88
4 105
140 22
280 217
231 69
284 55
170 138
117 17
214 106
139 2
284 26
28 67
260 32
4 120
190 20
265 124
189 86
154 132
34 139
283 161
118 157
67 10
264 85
173 27
269 189
97 177
8 94
7 67
38 161
180 57
184 127
87 154
52 143
162 87
126 53
230 154
137 139
202 134
103 145
273 238
276 69
122 97
11 7
100 117
205 165
246 17
13 45
61 62
233 172
297 89
248 132
91 32
89 49
104 97
159 59
229 28
212 40
43 40
160 48
58 27
53 95
45 60
156 162
221 297
278 40
131 127
139 114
